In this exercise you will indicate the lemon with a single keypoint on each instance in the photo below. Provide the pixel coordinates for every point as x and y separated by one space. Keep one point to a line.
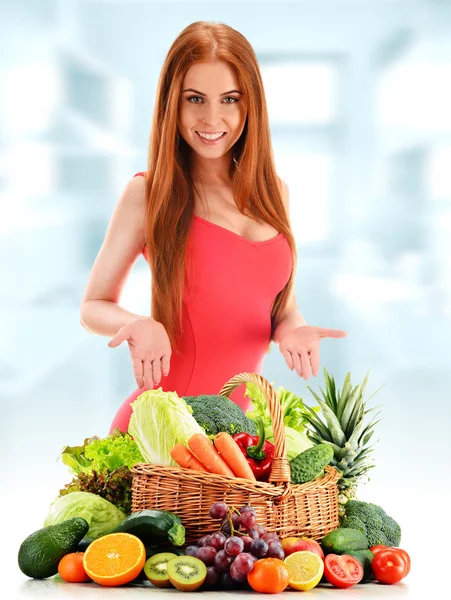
306 569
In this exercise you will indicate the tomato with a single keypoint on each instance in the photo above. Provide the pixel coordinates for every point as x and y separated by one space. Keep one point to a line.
389 566
70 568
378 547
342 571
406 556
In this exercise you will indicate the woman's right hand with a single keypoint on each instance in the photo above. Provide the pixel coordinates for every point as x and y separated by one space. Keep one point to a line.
150 350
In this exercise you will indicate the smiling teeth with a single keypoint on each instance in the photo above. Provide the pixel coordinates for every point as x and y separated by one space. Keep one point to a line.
210 136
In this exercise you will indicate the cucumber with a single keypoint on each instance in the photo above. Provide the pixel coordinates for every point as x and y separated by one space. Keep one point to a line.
153 527
365 558
40 552
343 540
309 465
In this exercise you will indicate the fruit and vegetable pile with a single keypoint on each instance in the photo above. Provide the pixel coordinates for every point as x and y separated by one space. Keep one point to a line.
90 533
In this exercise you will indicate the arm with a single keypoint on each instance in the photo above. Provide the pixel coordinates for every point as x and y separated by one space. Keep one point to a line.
100 312
293 318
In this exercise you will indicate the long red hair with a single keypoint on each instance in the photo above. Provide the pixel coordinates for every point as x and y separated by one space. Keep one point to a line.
170 188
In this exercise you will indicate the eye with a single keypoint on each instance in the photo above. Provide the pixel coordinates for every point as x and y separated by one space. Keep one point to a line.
194 99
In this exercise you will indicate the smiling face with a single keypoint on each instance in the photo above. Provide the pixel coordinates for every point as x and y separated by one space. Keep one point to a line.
212 111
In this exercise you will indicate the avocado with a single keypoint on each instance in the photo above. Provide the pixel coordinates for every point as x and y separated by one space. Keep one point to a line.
40 552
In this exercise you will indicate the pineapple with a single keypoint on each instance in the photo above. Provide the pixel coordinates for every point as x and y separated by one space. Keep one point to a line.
344 429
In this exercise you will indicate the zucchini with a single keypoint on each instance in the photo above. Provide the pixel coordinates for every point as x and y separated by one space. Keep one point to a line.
153 527
342 540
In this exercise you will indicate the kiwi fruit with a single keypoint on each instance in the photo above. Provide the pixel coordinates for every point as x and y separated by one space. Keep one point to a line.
156 571
186 573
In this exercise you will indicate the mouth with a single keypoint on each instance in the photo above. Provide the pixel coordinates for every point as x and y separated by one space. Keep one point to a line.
211 138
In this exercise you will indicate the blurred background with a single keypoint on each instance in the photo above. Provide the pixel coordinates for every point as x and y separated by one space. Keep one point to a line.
359 97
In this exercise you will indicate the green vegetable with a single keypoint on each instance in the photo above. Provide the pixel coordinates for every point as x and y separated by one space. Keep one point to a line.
40 552
341 541
379 527
114 486
365 558
106 454
293 408
218 413
154 527
160 420
308 465
100 514
296 441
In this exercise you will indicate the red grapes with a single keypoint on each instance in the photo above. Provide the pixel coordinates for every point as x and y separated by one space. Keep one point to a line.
230 552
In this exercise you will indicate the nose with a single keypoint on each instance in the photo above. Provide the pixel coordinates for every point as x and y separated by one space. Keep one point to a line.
211 116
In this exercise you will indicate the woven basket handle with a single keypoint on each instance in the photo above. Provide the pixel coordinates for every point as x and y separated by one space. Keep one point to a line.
280 471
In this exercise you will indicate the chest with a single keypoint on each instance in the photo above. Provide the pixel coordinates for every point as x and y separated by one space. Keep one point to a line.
217 205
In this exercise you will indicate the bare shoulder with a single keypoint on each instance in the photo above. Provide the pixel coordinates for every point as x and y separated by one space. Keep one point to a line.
285 193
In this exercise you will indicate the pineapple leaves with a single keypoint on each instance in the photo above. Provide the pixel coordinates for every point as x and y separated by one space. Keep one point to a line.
344 396
317 424
336 433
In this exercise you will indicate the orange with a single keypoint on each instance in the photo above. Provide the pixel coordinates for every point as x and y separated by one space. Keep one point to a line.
70 568
269 576
114 559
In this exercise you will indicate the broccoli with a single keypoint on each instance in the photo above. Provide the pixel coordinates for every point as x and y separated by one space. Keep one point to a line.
379 527
218 413
354 523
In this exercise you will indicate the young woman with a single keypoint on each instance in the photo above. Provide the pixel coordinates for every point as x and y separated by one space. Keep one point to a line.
211 217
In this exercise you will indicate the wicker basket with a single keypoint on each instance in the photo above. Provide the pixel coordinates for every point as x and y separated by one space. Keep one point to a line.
310 509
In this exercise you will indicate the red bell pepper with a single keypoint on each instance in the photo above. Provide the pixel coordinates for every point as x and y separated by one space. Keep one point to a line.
258 451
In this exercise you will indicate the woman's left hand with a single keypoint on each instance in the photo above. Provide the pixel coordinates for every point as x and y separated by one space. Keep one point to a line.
300 348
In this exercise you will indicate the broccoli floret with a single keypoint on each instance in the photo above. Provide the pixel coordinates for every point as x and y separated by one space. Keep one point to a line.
218 413
353 522
380 528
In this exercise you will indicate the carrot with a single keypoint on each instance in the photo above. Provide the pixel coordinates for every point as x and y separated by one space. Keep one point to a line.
233 456
186 459
207 454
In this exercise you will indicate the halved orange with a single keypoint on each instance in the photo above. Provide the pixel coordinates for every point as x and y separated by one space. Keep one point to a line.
114 559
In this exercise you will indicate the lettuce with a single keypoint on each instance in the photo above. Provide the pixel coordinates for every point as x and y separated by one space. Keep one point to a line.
293 408
296 442
101 515
158 422
106 454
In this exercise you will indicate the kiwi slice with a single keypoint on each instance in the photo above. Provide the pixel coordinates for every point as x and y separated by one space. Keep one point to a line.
186 573
155 569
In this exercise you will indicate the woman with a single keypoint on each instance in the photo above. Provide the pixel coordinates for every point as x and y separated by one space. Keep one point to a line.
211 217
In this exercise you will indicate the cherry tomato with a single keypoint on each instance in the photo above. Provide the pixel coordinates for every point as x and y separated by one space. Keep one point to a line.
378 547
389 566
70 568
342 571
406 556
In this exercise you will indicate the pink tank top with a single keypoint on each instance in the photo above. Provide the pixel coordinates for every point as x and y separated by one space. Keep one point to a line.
226 310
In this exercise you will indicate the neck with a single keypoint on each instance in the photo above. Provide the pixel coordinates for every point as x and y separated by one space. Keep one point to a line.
213 171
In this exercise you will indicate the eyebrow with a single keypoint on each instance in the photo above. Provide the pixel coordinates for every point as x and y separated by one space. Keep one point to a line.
202 94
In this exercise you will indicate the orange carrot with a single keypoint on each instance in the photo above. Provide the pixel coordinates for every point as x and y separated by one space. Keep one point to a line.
233 456
186 459
207 454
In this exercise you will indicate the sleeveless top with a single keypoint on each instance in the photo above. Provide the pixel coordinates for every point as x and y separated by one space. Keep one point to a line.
226 311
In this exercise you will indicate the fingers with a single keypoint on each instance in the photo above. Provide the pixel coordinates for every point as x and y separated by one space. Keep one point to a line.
156 364
332 333
305 362
138 371
165 364
297 363
148 373
314 360
288 359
